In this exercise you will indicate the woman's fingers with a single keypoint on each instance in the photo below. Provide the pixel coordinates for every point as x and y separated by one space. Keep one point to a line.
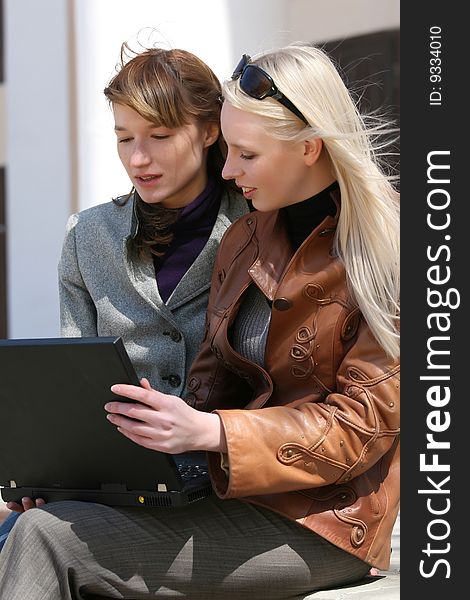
26 504
145 383
139 428
147 400
15 507
131 410
163 422
134 392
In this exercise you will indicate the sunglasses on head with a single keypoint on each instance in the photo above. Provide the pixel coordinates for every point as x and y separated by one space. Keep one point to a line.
256 83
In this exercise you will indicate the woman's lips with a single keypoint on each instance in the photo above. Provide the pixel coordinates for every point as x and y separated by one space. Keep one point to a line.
147 180
248 192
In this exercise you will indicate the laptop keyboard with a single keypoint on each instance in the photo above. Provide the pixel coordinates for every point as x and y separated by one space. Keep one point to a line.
189 472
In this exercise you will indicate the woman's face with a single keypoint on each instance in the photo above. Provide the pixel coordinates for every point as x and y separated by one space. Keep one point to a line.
166 166
272 173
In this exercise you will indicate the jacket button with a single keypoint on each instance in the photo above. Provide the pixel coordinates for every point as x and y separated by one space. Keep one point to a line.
282 304
174 380
175 335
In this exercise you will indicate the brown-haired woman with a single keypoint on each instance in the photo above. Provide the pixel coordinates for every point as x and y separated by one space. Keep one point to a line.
140 265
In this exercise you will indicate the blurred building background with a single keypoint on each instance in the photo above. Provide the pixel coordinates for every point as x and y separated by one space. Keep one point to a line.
57 144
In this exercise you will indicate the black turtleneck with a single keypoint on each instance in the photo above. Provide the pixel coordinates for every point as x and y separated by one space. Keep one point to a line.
302 218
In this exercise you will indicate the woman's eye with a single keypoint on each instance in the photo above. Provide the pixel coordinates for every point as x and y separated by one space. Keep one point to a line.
124 140
160 137
247 156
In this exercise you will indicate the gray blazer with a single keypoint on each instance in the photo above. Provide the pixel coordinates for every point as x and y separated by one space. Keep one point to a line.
104 290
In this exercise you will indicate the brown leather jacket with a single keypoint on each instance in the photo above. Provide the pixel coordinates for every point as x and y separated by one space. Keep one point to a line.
320 441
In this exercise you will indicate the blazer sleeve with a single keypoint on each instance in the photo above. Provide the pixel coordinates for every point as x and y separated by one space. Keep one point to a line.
77 309
314 443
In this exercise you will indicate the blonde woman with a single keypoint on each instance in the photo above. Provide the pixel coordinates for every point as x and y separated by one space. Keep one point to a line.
294 393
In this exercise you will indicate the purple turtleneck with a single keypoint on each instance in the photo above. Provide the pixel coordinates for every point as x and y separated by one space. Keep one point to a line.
191 232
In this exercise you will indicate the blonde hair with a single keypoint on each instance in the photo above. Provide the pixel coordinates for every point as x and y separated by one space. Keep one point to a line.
368 234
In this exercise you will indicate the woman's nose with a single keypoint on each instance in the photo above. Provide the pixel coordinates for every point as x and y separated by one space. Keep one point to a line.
140 157
230 170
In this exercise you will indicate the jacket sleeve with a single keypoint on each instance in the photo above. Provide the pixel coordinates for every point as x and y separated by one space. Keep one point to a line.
77 309
316 443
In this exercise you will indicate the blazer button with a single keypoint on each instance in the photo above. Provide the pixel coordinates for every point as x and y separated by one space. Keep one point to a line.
175 335
282 304
174 380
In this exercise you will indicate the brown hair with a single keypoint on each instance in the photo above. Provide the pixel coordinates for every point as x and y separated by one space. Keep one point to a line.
169 88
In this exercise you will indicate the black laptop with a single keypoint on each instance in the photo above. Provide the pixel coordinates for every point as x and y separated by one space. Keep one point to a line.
55 440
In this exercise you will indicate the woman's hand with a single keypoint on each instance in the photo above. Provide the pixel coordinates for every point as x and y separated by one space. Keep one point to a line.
163 422
26 504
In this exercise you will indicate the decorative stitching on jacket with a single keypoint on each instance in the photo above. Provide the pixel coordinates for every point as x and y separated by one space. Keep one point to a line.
302 354
356 375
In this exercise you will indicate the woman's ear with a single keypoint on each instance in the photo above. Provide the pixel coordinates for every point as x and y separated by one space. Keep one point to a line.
211 134
312 150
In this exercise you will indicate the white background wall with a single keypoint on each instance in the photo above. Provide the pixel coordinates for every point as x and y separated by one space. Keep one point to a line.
37 160
60 148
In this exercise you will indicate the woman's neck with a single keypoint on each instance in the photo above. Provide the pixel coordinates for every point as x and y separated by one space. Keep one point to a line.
302 218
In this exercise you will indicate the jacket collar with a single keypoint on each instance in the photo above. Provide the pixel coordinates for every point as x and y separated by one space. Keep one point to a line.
130 220
274 258
134 223
228 196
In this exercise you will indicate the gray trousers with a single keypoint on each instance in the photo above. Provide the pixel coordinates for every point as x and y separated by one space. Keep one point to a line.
212 549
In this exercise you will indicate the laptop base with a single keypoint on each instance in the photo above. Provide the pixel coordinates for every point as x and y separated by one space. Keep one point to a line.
111 498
